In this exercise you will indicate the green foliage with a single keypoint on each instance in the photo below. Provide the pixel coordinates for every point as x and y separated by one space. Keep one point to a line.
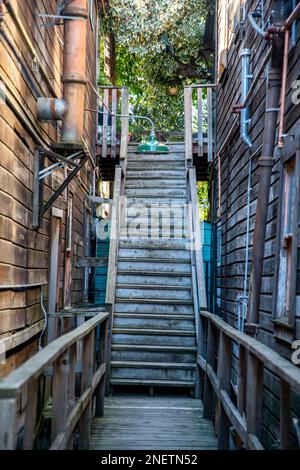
160 47
203 197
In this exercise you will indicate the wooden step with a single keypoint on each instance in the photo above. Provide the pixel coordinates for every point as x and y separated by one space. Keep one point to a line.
154 183
163 308
171 157
154 265
152 253
156 192
154 383
167 203
152 174
152 371
149 336
153 292
176 244
151 353
133 278
137 165
146 320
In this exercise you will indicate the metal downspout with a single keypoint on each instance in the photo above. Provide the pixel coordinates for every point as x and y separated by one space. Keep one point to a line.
74 70
246 77
265 165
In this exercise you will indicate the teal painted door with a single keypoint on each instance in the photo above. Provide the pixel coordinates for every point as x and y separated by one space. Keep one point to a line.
102 251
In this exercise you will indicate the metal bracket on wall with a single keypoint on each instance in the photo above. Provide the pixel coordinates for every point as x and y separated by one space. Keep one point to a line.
70 158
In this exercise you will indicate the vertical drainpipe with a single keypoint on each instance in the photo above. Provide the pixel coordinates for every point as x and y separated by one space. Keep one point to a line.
265 165
74 70
246 78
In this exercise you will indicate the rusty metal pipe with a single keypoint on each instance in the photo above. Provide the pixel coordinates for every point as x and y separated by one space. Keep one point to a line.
283 87
74 70
293 16
265 172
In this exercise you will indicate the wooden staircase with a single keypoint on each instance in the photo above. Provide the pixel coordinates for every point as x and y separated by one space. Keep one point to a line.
154 334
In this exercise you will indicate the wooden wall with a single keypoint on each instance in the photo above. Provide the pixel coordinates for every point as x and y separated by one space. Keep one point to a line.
229 239
24 252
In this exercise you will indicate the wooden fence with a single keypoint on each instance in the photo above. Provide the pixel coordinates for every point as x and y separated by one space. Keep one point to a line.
205 139
243 412
114 105
61 361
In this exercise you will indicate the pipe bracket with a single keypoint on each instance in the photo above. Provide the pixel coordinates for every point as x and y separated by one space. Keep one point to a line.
265 161
74 78
78 12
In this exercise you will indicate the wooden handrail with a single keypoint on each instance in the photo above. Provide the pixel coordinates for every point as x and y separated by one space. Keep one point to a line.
245 415
198 281
19 391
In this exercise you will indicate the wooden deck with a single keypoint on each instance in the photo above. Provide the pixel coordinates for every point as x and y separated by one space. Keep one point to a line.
149 423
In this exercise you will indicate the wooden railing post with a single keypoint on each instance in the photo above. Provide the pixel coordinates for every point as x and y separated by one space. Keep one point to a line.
71 388
254 398
100 391
223 374
210 360
114 98
241 393
105 121
188 120
8 413
210 137
200 121
124 127
30 414
285 415
88 364
60 395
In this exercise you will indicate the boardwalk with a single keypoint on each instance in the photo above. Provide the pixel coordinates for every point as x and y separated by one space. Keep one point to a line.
149 423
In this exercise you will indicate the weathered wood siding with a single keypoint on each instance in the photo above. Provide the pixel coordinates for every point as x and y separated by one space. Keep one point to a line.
229 240
24 251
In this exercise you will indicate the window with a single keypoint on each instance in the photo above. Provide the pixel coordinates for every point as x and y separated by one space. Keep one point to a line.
285 302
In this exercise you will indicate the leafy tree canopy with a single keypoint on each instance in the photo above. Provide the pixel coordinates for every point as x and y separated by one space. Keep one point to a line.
161 45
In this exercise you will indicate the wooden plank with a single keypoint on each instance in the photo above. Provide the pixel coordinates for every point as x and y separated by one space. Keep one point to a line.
124 124
8 413
88 359
285 416
30 414
210 359
210 137
200 122
223 374
254 396
105 122
100 392
53 273
60 395
241 394
114 123
188 121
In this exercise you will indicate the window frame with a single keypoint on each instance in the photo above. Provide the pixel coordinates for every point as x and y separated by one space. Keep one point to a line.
288 320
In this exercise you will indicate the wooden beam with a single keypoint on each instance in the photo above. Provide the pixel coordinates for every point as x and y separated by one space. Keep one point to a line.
188 120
